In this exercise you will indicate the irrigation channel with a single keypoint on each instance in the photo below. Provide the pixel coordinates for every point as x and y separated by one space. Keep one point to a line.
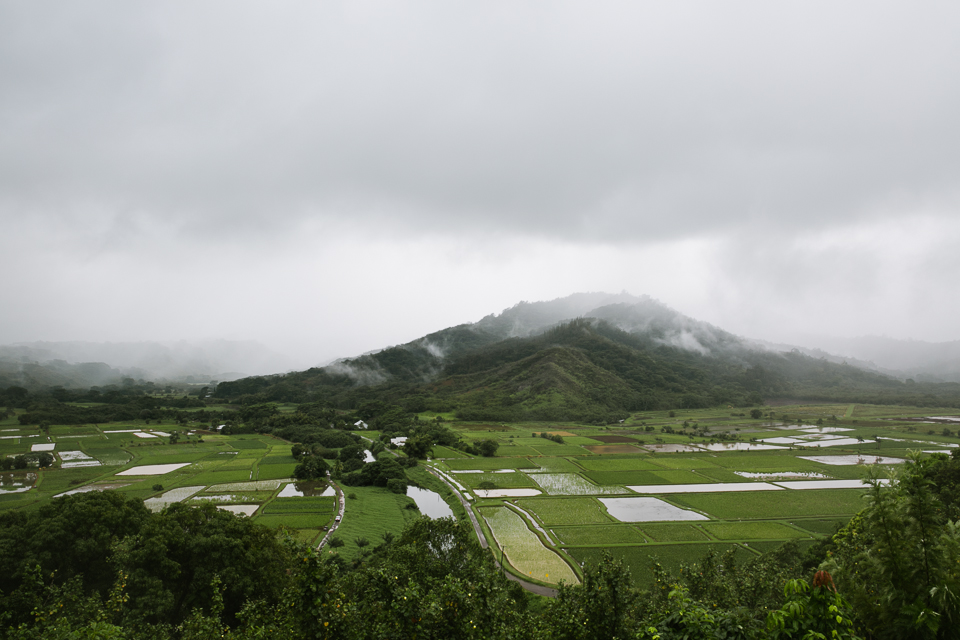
529 586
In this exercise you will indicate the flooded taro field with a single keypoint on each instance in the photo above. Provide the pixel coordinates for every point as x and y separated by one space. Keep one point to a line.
669 487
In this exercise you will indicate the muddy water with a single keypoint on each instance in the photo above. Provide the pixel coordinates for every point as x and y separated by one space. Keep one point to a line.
301 489
430 503
17 482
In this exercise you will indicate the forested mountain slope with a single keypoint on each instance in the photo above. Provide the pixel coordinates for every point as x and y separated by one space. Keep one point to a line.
623 356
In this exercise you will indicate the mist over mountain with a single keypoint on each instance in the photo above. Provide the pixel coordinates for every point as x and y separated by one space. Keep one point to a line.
84 364
916 359
569 359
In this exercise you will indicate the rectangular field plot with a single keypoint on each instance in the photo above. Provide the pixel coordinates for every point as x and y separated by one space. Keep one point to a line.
557 465
775 504
756 463
704 488
523 548
601 449
599 535
490 463
820 525
247 443
502 480
221 477
637 463
674 532
753 531
686 462
513 450
439 451
571 484
553 511
272 471
661 476
301 505
562 450
647 510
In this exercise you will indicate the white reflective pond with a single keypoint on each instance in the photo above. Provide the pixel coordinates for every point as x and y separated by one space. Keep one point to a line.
647 510
430 503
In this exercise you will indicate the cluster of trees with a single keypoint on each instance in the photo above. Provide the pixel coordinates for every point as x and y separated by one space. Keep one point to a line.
40 459
100 565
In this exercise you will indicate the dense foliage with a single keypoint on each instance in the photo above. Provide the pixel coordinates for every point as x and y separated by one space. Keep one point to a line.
101 565
585 370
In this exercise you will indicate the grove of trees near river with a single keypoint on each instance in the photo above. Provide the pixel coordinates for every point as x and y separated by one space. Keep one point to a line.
100 565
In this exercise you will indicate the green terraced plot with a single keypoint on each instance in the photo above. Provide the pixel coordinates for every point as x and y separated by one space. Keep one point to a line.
301 505
825 527
562 450
634 463
775 504
490 463
524 550
598 535
272 471
502 480
241 443
508 450
752 530
674 533
551 511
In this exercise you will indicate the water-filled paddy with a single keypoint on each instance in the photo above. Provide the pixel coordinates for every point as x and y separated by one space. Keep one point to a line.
301 489
174 495
48 446
825 484
571 484
740 446
240 509
647 510
506 493
256 485
17 482
704 488
852 460
430 503
151 469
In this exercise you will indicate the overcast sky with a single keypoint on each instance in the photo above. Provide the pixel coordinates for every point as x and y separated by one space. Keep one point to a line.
329 178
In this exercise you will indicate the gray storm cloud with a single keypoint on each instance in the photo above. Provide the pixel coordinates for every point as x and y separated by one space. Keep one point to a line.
607 122
316 171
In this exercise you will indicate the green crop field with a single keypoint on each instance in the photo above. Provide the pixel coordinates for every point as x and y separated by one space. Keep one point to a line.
372 513
250 470
774 504
752 530
674 532
598 534
557 511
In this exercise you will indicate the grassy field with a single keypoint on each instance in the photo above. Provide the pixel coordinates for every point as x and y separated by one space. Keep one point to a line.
251 469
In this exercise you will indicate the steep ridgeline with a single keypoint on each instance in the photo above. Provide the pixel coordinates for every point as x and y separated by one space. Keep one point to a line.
628 354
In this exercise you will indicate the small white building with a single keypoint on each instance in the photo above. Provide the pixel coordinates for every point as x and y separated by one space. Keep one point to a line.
360 424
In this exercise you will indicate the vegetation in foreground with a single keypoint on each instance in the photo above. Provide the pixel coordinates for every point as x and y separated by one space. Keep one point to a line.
100 565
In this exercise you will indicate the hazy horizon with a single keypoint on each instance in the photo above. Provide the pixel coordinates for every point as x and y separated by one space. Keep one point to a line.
332 179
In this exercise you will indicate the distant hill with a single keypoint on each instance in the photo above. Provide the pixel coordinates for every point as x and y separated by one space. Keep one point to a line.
587 357
37 365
